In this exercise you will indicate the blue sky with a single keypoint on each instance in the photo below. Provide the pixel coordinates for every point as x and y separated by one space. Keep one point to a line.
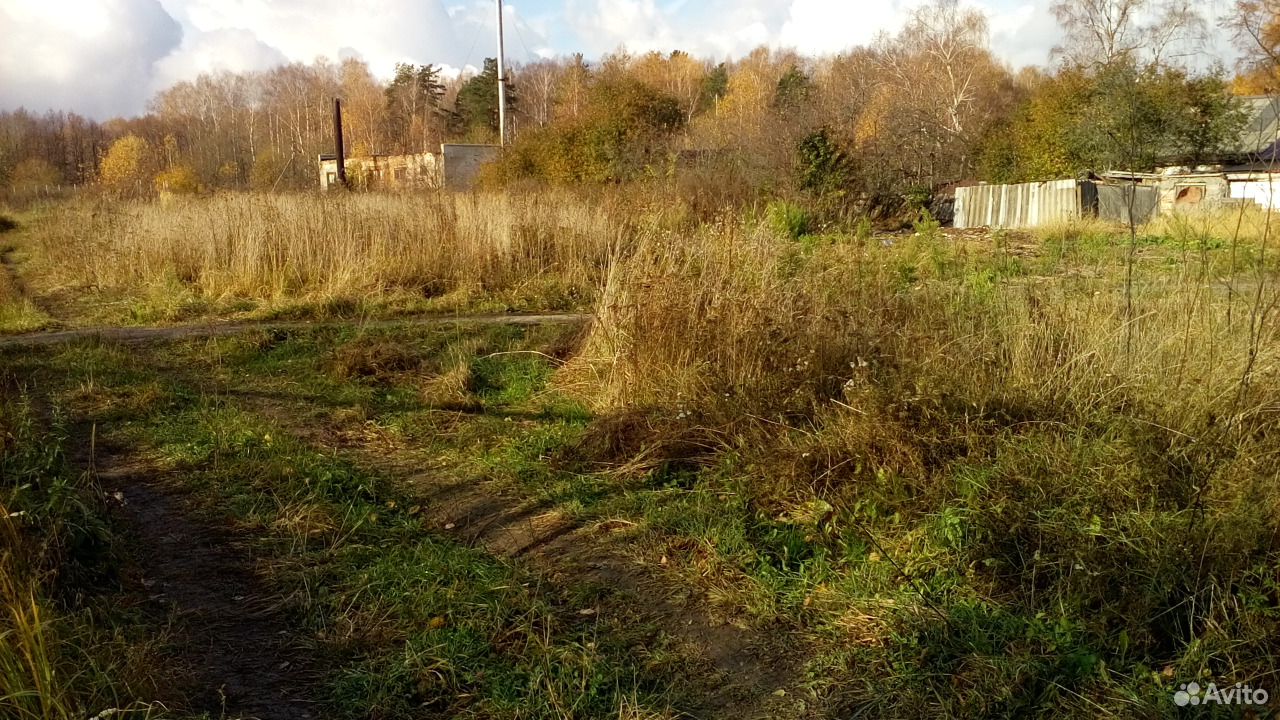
107 57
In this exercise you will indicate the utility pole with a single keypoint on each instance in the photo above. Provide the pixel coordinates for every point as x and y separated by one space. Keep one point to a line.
502 83
338 150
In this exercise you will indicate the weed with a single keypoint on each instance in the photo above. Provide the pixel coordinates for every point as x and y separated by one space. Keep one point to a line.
60 654
863 231
788 219
1023 481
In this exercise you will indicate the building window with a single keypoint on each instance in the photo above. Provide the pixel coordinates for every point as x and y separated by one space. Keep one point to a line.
333 178
1189 195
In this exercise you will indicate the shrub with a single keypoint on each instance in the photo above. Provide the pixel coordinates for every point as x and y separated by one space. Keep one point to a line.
788 219
178 180
268 168
621 135
824 168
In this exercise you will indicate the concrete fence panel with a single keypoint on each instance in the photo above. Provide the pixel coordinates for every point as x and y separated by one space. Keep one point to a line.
1021 205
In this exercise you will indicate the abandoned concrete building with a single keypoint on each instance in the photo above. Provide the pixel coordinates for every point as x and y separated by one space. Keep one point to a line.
455 167
1248 173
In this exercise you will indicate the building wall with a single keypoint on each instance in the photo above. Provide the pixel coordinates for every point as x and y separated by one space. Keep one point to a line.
384 171
456 168
462 163
1022 205
1192 191
1262 189
1116 199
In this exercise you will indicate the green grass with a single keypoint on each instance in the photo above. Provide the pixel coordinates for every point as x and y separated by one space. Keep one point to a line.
20 315
72 644
406 621
1043 566
939 528
414 623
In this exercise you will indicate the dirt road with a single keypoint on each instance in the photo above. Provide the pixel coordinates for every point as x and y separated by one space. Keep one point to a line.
135 335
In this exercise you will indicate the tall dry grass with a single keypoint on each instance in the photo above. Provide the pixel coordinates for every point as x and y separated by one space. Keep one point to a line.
17 312
775 325
998 426
279 247
32 684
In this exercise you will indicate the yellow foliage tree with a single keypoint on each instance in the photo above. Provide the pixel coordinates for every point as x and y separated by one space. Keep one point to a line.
179 180
127 167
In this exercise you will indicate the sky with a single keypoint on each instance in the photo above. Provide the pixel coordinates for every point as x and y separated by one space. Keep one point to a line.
106 58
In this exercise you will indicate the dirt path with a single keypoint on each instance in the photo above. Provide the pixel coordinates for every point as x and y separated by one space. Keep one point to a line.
753 672
14 289
135 335
230 637
239 651
10 282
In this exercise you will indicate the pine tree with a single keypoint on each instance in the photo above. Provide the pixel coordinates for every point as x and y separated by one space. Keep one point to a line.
476 113
414 110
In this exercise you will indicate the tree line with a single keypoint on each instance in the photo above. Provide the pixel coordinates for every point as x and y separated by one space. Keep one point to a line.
924 107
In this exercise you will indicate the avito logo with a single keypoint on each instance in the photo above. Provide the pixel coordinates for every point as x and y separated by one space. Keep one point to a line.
1192 694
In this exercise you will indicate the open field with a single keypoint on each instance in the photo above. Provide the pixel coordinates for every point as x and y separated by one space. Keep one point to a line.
768 475
304 256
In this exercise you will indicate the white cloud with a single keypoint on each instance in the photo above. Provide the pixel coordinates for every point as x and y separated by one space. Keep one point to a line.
100 64
107 57
819 27
606 25
477 27
1021 34
1025 34
383 31
234 50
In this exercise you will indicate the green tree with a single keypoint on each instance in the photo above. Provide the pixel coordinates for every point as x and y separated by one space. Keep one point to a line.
1212 118
1151 116
476 113
623 129
714 87
824 167
794 88
413 106
1120 116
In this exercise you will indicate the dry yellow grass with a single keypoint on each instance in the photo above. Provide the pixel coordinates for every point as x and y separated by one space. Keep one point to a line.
31 686
17 313
1023 433
731 322
311 247
1248 222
